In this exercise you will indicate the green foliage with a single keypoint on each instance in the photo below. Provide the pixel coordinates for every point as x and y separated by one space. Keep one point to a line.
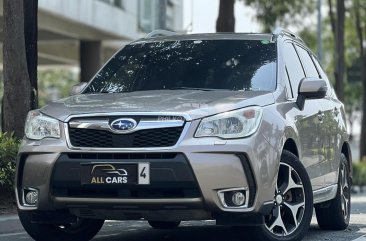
359 173
55 84
353 92
280 12
9 146
308 34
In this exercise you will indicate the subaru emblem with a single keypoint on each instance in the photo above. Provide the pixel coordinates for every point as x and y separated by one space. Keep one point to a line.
123 125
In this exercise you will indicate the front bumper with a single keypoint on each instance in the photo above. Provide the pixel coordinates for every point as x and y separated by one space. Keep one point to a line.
212 165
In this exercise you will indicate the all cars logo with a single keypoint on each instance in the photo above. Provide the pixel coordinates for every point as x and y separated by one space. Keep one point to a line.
116 175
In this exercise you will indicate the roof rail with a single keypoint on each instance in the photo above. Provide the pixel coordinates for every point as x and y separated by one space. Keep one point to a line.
280 30
160 33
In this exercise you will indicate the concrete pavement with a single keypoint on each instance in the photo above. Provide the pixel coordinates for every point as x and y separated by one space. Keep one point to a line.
11 229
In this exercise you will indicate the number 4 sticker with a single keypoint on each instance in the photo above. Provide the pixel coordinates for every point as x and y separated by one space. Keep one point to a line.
144 173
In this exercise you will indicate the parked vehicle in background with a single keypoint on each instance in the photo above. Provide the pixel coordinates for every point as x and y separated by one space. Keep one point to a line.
244 129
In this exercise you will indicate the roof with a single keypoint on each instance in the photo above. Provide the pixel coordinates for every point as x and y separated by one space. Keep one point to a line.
160 35
207 36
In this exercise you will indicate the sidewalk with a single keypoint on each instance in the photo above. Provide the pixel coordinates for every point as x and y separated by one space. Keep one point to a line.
10 224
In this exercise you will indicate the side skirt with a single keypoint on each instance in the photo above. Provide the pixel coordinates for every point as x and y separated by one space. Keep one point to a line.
325 194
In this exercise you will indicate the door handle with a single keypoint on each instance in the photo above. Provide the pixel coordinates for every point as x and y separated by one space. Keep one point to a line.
321 116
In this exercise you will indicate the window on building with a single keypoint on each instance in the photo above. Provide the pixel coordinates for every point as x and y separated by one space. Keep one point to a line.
116 3
146 15
170 16
156 14
119 4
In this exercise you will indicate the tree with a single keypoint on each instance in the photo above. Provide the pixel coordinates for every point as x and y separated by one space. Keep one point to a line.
337 21
280 12
31 50
55 84
359 10
17 81
226 20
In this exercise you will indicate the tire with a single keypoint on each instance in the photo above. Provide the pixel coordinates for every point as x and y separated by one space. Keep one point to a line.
164 224
335 214
83 230
293 189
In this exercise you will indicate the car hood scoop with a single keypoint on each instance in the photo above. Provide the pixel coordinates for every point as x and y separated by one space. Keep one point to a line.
194 103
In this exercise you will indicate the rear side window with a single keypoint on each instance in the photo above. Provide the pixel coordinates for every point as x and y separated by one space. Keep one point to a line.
306 61
294 69
323 75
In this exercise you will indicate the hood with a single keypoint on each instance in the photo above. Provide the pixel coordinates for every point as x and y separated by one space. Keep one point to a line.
195 103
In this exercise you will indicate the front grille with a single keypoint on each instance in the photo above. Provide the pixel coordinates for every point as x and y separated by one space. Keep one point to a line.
162 137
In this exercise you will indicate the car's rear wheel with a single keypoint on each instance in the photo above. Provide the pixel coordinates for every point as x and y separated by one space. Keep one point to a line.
335 214
81 230
164 224
293 203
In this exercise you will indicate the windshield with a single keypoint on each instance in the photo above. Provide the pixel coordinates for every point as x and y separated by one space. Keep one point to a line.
246 65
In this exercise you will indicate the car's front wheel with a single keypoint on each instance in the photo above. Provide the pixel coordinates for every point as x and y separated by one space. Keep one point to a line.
293 203
81 230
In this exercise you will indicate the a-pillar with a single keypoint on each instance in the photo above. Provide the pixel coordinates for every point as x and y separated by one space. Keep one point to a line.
90 59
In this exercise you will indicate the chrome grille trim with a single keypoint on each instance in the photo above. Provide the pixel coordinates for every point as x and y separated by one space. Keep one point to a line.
144 124
185 116
186 124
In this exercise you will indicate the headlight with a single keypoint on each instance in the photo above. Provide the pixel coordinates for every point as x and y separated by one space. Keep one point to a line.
39 126
233 124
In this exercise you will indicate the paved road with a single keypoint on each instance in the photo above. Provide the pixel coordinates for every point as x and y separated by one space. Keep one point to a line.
11 230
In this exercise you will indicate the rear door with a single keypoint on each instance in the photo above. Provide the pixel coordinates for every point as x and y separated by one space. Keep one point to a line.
332 109
306 120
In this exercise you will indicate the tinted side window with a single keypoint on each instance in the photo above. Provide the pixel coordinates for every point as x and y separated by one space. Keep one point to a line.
323 75
294 68
306 61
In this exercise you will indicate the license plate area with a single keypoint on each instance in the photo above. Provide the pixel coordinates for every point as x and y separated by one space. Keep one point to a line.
115 173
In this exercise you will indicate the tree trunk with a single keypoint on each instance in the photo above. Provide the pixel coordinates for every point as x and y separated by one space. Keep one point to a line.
17 88
339 51
31 35
226 20
363 123
337 25
90 59
360 35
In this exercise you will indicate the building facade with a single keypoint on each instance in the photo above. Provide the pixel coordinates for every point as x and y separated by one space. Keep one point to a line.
86 33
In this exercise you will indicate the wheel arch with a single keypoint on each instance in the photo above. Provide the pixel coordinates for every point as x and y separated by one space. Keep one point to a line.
290 145
346 150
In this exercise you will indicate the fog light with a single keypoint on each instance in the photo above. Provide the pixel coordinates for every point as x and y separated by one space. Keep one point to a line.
238 198
31 197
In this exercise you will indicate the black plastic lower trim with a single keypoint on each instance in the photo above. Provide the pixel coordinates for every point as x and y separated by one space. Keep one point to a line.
53 217
171 176
250 178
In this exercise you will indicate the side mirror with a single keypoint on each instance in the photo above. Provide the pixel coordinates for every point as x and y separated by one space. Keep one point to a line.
310 88
76 89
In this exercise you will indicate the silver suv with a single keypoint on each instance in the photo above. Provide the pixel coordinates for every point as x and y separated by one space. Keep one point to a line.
244 129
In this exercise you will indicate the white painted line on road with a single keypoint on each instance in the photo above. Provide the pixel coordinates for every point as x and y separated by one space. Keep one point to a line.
362 238
358 199
8 217
11 234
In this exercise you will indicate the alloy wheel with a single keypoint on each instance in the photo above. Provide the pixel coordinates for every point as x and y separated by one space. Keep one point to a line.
289 203
344 191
